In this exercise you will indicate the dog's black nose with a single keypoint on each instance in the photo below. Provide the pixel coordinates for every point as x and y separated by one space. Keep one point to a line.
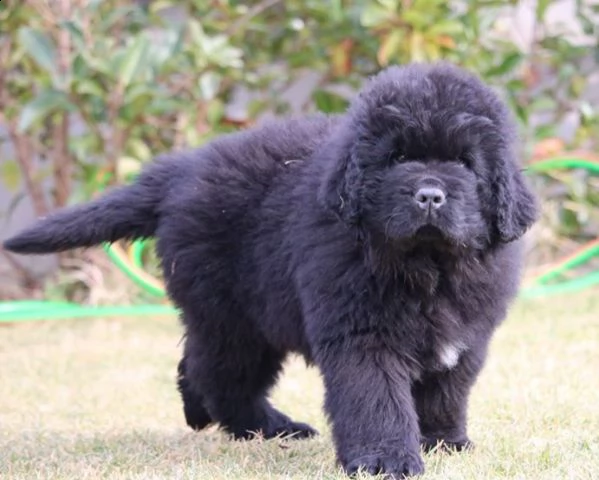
430 197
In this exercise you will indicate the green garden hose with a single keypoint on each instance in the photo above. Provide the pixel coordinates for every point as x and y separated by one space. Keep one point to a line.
132 265
133 268
559 163
17 312
542 285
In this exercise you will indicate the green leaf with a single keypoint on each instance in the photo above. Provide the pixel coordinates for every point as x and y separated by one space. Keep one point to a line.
566 71
139 90
587 112
84 146
158 5
164 106
542 8
544 131
137 99
569 224
166 49
390 47
417 18
138 149
10 174
89 87
228 57
214 49
93 4
427 4
445 27
521 113
40 47
115 63
134 60
336 10
79 67
209 84
215 111
515 85
192 136
389 4
128 167
542 102
329 102
432 51
417 47
75 31
508 64
256 107
125 14
43 105
100 64
374 15
197 33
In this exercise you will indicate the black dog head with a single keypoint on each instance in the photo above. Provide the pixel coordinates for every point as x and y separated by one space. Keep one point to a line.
427 152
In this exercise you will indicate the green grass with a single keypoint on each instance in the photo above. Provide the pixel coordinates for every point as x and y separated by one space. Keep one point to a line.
96 399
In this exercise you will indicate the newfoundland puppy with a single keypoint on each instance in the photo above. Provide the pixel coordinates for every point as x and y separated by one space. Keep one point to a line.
381 245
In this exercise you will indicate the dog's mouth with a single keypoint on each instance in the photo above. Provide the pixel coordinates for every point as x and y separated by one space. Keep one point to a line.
430 233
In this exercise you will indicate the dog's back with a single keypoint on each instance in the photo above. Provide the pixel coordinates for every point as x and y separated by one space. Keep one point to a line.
229 173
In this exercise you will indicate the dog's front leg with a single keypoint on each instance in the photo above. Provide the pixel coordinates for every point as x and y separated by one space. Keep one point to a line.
441 401
369 401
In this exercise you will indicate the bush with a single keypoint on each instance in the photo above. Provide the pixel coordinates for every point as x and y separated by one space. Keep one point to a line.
96 88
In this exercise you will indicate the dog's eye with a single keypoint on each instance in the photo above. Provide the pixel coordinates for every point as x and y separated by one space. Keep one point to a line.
464 160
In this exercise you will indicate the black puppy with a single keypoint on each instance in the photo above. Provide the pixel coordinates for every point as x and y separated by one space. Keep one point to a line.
379 244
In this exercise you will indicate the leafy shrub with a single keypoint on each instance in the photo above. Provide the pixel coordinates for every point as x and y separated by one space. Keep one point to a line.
95 88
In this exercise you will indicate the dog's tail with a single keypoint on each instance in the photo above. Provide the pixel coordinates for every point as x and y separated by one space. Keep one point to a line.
123 213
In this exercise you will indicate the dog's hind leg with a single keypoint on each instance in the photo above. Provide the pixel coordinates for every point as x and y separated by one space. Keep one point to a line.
196 415
231 368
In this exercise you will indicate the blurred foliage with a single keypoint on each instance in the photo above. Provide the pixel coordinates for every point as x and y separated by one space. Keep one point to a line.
92 89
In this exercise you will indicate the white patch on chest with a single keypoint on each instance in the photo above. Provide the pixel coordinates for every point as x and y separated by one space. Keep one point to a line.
449 354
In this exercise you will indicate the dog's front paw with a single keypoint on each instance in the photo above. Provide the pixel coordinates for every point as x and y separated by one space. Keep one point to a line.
438 444
395 465
446 445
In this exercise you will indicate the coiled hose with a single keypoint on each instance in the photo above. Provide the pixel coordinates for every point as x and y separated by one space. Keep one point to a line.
131 263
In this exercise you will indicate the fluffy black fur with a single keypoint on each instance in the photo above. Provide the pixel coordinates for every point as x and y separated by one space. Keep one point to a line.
314 235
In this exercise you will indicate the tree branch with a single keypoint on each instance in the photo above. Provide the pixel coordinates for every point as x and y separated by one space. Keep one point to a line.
28 279
22 145
62 161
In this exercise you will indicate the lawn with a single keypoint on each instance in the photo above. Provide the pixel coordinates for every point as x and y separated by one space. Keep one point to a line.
96 399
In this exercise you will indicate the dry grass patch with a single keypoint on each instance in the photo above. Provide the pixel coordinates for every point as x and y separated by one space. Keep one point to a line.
96 399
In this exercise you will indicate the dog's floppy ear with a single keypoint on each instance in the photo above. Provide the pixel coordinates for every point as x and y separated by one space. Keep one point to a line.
516 207
339 189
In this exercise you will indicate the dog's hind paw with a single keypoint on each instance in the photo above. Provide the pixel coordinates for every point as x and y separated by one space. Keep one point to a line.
395 466
196 416
287 430
294 430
